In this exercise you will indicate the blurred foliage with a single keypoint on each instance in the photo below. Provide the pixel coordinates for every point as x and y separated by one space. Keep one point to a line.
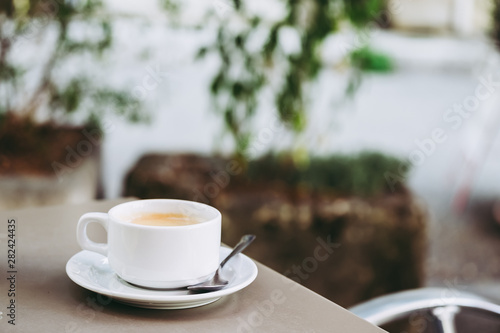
369 60
361 12
60 99
496 23
256 57
362 174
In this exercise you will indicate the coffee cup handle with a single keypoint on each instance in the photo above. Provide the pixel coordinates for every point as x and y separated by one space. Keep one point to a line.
81 232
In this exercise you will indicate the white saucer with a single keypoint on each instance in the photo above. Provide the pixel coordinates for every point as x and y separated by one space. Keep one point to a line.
91 271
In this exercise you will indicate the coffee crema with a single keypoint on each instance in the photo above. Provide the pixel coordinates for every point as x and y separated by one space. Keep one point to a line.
164 219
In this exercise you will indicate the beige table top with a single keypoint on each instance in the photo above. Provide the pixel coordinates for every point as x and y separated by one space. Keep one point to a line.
46 300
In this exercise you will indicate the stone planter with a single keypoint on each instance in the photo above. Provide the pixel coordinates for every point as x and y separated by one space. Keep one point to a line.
48 165
346 248
29 190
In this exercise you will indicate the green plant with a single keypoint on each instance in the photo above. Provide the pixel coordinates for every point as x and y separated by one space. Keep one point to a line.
56 96
369 60
256 58
360 174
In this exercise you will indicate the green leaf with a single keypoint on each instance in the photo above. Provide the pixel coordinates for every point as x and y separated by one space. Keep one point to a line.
201 53
217 82
271 43
369 60
237 90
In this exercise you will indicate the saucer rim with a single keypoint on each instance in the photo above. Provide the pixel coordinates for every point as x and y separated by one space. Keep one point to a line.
161 297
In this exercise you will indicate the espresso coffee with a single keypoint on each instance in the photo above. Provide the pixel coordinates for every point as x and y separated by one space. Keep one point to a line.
164 219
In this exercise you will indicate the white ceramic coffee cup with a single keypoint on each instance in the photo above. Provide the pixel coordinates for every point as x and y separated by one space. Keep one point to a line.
157 256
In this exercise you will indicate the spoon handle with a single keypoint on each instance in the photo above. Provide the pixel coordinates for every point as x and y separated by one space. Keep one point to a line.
242 244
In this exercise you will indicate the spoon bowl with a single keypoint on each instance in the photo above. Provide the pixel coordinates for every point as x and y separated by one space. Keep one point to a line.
217 282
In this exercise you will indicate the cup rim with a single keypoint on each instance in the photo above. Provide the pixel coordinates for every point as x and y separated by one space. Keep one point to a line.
114 218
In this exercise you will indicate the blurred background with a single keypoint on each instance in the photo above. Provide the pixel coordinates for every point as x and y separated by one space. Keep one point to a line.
370 125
